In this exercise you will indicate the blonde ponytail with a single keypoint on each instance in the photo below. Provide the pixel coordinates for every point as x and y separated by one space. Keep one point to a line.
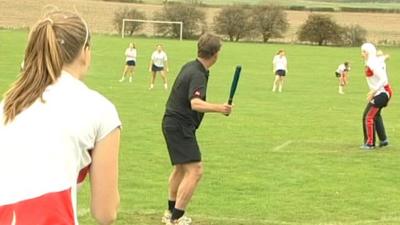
53 42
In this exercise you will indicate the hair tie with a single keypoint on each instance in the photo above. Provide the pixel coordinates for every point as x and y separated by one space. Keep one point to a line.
50 20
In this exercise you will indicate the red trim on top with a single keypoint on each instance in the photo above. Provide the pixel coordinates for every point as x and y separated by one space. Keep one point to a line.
389 90
84 171
368 72
49 209
370 124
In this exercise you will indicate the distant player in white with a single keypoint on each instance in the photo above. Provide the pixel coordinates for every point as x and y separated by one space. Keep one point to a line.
130 62
158 63
279 64
342 73
54 129
378 97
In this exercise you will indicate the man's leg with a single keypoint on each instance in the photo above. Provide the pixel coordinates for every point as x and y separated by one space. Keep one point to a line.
175 180
193 173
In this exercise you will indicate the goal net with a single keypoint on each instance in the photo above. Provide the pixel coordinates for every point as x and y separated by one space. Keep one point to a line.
125 21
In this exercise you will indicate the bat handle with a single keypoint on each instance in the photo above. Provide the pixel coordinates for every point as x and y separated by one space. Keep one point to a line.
229 103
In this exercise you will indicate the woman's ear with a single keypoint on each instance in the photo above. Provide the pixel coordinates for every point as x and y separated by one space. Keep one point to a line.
86 55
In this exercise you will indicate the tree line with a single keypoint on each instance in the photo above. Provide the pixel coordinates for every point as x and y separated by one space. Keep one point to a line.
244 22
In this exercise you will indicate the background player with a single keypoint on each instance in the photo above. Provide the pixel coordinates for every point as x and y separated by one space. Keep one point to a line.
130 62
342 74
158 63
279 64
378 97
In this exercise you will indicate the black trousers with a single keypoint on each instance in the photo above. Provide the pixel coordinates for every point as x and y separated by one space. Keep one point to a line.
372 120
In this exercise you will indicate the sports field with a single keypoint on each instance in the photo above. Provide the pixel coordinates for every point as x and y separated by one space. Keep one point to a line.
288 158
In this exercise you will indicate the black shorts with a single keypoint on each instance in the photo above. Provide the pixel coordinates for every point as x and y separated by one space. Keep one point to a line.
131 63
380 100
337 74
155 68
181 141
281 73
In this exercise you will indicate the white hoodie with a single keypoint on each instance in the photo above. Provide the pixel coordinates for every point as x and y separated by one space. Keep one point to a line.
375 72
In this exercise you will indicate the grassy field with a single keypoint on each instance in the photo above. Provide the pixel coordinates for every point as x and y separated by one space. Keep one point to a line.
280 158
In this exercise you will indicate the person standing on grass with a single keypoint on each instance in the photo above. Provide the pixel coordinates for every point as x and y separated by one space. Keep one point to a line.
342 73
378 98
184 112
130 62
158 63
279 64
54 129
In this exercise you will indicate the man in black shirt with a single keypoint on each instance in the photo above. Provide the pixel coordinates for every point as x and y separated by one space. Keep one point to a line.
184 112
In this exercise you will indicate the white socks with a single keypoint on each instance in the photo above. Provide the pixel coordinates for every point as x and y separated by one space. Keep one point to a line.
341 90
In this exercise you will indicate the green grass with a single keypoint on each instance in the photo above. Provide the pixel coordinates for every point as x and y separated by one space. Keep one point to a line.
288 158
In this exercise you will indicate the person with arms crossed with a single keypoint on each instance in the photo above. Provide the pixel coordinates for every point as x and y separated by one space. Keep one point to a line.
130 62
184 112
342 73
378 97
54 129
279 64
158 63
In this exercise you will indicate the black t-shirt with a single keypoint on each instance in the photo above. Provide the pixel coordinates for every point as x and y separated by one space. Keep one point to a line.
190 83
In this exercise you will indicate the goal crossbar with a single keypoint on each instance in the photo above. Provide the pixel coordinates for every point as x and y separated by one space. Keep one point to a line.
152 21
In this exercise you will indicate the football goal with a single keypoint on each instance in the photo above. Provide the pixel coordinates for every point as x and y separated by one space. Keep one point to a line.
124 21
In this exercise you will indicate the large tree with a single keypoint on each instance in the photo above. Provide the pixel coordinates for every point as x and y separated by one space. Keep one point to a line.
193 20
354 35
128 13
270 21
233 21
321 29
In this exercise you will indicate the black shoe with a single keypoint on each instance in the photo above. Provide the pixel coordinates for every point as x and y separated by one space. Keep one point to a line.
383 143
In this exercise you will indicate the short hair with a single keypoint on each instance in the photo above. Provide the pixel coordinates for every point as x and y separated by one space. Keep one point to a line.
208 45
279 51
346 63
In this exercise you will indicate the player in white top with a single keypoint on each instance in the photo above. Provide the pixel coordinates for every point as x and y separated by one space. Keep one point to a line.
342 73
378 97
279 64
130 62
54 129
382 57
158 63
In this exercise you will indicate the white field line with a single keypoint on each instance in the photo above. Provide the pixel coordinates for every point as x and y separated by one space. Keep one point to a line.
282 146
86 211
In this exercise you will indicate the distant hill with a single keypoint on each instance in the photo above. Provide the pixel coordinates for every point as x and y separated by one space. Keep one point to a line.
383 4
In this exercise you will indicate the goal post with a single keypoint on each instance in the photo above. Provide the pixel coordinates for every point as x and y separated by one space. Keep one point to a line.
152 21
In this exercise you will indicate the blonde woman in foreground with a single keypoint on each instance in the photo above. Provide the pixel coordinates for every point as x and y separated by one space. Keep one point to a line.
54 129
